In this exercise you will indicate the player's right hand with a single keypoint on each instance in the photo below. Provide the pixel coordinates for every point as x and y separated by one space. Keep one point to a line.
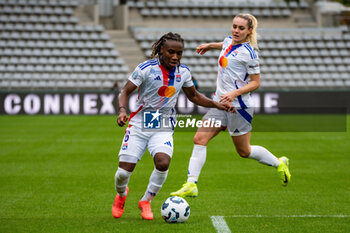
202 49
122 118
228 107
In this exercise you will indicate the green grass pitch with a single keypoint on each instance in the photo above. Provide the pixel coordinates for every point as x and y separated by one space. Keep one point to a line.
57 175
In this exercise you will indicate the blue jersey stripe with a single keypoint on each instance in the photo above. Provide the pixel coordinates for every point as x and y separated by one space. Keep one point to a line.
243 106
246 76
144 67
143 64
148 63
251 54
245 115
251 51
247 45
240 100
171 77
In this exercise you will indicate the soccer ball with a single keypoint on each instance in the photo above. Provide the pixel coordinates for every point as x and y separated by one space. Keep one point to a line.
175 209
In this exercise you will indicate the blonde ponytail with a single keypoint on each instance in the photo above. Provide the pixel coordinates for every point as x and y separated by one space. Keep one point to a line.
252 23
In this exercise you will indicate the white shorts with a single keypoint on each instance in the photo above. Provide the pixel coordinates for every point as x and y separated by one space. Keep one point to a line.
237 123
136 141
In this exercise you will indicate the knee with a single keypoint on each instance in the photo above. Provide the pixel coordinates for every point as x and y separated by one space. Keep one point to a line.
244 153
122 174
200 140
162 166
162 163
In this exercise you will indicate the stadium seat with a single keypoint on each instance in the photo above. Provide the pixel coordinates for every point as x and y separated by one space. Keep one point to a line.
43 37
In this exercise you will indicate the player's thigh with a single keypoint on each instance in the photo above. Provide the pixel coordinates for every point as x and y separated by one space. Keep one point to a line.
239 127
205 134
161 142
208 131
134 144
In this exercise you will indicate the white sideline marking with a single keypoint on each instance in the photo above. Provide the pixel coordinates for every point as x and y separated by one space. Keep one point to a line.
220 224
289 216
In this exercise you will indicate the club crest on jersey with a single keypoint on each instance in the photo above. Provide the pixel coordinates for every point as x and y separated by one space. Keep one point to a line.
152 119
178 78
125 146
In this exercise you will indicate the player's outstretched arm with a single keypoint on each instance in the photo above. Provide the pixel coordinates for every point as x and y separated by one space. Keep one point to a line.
203 48
198 98
128 88
251 86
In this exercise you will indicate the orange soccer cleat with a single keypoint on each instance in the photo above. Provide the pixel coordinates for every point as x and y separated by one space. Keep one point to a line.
146 212
118 205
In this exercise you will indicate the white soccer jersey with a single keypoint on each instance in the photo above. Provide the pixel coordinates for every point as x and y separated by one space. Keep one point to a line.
158 88
236 62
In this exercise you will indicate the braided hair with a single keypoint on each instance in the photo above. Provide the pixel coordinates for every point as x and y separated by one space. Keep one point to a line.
159 43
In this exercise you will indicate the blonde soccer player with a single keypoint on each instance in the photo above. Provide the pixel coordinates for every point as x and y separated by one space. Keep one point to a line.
238 75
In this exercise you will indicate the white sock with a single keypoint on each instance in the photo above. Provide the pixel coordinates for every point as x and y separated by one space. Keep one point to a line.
156 182
197 160
121 179
263 156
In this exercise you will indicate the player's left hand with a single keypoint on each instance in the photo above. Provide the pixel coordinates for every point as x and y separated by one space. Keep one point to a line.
228 97
122 118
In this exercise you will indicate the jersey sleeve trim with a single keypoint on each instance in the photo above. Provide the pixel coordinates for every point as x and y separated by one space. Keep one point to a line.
251 51
184 66
152 62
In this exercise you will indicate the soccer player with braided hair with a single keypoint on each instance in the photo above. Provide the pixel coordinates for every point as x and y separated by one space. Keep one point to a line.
238 75
159 82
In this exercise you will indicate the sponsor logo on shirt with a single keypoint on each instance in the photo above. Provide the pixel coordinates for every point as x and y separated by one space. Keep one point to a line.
155 72
166 91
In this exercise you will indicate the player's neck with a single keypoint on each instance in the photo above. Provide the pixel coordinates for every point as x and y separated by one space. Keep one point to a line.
164 66
239 42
